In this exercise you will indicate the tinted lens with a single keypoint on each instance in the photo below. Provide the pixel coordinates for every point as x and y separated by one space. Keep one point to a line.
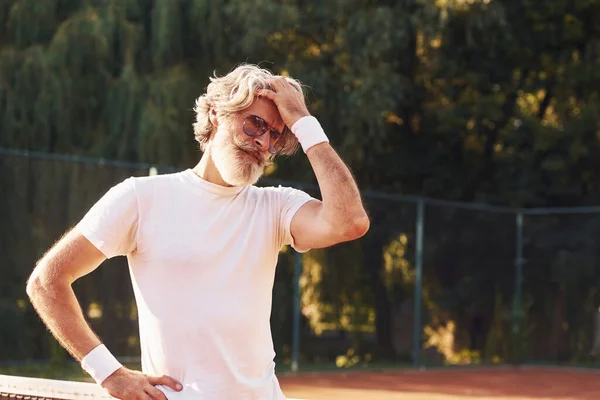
254 126
276 147
274 134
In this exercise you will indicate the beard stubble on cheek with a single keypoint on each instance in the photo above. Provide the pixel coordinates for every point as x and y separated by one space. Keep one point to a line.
250 160
232 157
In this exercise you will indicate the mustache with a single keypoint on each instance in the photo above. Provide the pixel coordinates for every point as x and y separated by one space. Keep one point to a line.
251 149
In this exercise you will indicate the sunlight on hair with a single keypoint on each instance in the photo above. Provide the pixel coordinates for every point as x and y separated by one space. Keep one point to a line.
232 93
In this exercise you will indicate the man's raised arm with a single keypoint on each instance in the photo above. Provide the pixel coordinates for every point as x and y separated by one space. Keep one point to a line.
340 216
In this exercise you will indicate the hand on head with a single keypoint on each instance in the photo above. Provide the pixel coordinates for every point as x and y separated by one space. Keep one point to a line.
288 99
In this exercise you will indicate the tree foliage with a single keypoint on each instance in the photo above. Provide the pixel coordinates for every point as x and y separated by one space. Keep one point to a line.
471 100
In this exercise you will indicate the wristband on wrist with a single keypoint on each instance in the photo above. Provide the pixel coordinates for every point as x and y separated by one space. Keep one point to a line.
100 363
309 132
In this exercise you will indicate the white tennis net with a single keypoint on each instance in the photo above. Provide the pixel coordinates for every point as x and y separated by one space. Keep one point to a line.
17 387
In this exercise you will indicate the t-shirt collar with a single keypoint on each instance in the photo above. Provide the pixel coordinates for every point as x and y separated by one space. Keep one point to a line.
212 187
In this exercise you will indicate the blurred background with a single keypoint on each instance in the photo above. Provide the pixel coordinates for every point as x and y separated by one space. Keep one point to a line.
472 127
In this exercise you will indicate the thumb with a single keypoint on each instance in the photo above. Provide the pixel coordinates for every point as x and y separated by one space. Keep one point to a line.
165 381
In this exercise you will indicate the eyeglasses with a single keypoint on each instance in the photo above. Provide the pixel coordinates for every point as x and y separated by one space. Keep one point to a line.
255 126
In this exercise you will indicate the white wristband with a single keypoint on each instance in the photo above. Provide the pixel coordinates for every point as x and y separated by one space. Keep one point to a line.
309 132
100 363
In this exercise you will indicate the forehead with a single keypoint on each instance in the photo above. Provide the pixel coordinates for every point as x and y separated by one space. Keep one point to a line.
267 110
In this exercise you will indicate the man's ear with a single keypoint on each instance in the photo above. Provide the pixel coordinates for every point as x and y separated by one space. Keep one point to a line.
212 116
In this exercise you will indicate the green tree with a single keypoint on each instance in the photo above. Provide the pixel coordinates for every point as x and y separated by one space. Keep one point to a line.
483 100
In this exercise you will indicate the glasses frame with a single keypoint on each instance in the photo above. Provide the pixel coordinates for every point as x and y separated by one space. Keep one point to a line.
273 140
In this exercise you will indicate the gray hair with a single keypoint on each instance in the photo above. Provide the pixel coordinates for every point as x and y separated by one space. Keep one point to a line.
235 92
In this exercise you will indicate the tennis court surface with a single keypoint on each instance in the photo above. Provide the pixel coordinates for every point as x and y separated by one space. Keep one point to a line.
457 384
494 383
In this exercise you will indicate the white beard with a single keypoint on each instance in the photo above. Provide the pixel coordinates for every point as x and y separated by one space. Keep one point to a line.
234 167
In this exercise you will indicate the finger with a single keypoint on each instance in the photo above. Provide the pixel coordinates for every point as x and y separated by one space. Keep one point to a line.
155 394
268 93
283 85
166 381
280 83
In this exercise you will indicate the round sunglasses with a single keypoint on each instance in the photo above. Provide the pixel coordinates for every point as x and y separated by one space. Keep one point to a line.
255 126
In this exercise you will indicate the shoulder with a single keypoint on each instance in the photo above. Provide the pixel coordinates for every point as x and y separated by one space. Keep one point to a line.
145 184
276 192
283 199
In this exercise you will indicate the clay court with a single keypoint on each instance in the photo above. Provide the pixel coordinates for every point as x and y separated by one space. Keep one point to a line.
525 383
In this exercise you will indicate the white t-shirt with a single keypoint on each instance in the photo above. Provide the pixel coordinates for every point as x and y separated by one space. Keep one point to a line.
202 260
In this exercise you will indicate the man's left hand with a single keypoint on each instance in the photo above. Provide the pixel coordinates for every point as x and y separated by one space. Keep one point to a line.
288 99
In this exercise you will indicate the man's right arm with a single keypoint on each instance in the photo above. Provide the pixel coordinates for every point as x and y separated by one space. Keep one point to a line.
50 291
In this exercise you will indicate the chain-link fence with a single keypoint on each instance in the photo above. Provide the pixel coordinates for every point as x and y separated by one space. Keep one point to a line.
43 196
561 285
468 283
489 284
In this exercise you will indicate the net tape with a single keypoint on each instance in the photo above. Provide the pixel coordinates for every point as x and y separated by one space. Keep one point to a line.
16 387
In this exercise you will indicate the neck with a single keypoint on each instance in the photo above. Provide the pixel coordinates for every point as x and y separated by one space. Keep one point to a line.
207 170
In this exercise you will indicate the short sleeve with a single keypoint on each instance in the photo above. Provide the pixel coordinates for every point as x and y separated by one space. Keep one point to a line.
291 201
111 223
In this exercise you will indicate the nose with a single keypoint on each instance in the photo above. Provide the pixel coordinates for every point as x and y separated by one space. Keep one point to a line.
262 142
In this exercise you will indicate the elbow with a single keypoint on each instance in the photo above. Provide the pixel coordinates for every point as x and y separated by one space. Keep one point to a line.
35 283
41 283
361 226
33 288
357 227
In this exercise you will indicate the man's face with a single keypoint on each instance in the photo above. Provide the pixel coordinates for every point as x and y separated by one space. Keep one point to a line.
240 158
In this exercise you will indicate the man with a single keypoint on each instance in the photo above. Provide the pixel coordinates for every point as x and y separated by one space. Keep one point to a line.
202 247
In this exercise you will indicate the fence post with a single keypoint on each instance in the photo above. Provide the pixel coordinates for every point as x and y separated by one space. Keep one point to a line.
418 283
297 312
518 301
